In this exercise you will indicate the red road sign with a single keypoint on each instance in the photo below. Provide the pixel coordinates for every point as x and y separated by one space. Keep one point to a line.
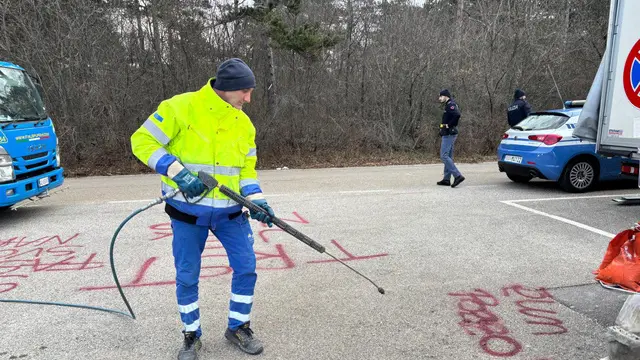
631 75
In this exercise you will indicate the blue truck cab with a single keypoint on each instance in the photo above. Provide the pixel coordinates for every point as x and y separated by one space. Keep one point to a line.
29 153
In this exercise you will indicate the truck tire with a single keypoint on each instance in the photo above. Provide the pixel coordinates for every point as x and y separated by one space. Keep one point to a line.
519 178
580 175
4 208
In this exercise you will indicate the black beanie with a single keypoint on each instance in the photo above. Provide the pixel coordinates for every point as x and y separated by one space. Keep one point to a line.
446 93
234 74
518 94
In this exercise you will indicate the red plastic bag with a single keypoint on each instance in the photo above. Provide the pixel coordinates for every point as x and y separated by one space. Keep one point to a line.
621 263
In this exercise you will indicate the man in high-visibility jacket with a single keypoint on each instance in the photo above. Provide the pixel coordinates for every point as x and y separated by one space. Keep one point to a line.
206 130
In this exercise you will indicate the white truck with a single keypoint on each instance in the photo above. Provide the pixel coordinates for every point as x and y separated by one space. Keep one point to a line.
611 114
611 118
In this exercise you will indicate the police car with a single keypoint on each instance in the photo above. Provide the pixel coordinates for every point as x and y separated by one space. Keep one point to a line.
543 146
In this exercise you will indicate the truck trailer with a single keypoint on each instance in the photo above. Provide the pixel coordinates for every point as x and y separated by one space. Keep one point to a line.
611 114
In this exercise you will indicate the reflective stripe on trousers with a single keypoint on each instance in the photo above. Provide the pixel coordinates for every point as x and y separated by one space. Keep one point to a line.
189 241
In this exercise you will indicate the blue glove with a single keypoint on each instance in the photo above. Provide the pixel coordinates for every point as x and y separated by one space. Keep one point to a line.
189 183
260 216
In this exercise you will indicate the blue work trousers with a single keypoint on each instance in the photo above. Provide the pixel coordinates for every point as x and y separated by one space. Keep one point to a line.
189 240
446 155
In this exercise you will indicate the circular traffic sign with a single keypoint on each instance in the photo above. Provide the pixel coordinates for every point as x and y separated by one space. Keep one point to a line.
631 75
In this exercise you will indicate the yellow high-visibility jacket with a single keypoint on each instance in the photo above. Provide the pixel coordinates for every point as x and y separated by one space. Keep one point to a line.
203 133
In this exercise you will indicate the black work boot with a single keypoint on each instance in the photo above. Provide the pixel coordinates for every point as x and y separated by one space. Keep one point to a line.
444 182
190 347
457 181
243 337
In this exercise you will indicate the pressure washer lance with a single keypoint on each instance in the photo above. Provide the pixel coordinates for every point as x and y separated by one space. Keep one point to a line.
210 182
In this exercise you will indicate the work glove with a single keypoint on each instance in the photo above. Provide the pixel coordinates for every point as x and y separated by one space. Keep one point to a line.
189 183
260 216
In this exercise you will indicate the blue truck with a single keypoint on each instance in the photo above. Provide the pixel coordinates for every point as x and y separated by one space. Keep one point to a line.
29 152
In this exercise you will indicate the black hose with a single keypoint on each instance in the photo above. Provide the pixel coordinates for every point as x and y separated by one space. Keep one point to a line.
210 183
113 269
115 235
113 242
64 304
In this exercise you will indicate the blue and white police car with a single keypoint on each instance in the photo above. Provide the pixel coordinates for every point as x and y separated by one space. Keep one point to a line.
543 146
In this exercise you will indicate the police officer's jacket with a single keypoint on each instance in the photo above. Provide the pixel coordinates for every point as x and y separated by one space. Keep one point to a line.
450 118
204 133
518 111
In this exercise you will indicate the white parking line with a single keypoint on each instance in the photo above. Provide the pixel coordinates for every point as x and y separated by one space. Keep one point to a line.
571 198
130 201
362 191
559 218
345 192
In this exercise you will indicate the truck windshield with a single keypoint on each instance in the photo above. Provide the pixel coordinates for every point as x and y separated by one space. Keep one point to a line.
19 98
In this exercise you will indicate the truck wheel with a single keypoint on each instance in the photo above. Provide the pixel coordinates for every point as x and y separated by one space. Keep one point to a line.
519 178
580 175
4 208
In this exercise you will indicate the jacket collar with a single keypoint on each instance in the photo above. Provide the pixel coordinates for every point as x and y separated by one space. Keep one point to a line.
212 99
216 104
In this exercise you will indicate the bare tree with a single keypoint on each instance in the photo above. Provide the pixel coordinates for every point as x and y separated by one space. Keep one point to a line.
337 79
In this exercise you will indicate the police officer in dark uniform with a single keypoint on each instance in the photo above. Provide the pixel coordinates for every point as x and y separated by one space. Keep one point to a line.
449 133
519 108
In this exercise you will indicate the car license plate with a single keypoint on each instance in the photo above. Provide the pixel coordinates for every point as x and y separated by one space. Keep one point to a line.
43 182
513 159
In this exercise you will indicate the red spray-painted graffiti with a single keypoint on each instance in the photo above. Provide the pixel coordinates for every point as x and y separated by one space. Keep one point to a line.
475 310
214 258
477 318
207 270
21 257
536 296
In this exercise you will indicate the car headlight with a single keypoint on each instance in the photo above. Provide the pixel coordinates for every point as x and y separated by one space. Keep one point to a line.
58 156
6 166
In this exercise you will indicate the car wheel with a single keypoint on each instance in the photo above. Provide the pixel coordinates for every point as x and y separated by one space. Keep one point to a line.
3 208
580 175
519 178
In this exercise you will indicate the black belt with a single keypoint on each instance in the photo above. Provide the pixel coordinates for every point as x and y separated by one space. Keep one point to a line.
188 218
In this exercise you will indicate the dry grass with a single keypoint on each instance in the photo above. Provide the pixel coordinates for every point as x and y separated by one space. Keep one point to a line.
293 161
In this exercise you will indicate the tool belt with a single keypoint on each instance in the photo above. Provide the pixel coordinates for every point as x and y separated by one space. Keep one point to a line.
448 131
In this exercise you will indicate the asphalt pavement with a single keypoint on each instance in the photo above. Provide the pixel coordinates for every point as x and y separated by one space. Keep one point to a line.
488 270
